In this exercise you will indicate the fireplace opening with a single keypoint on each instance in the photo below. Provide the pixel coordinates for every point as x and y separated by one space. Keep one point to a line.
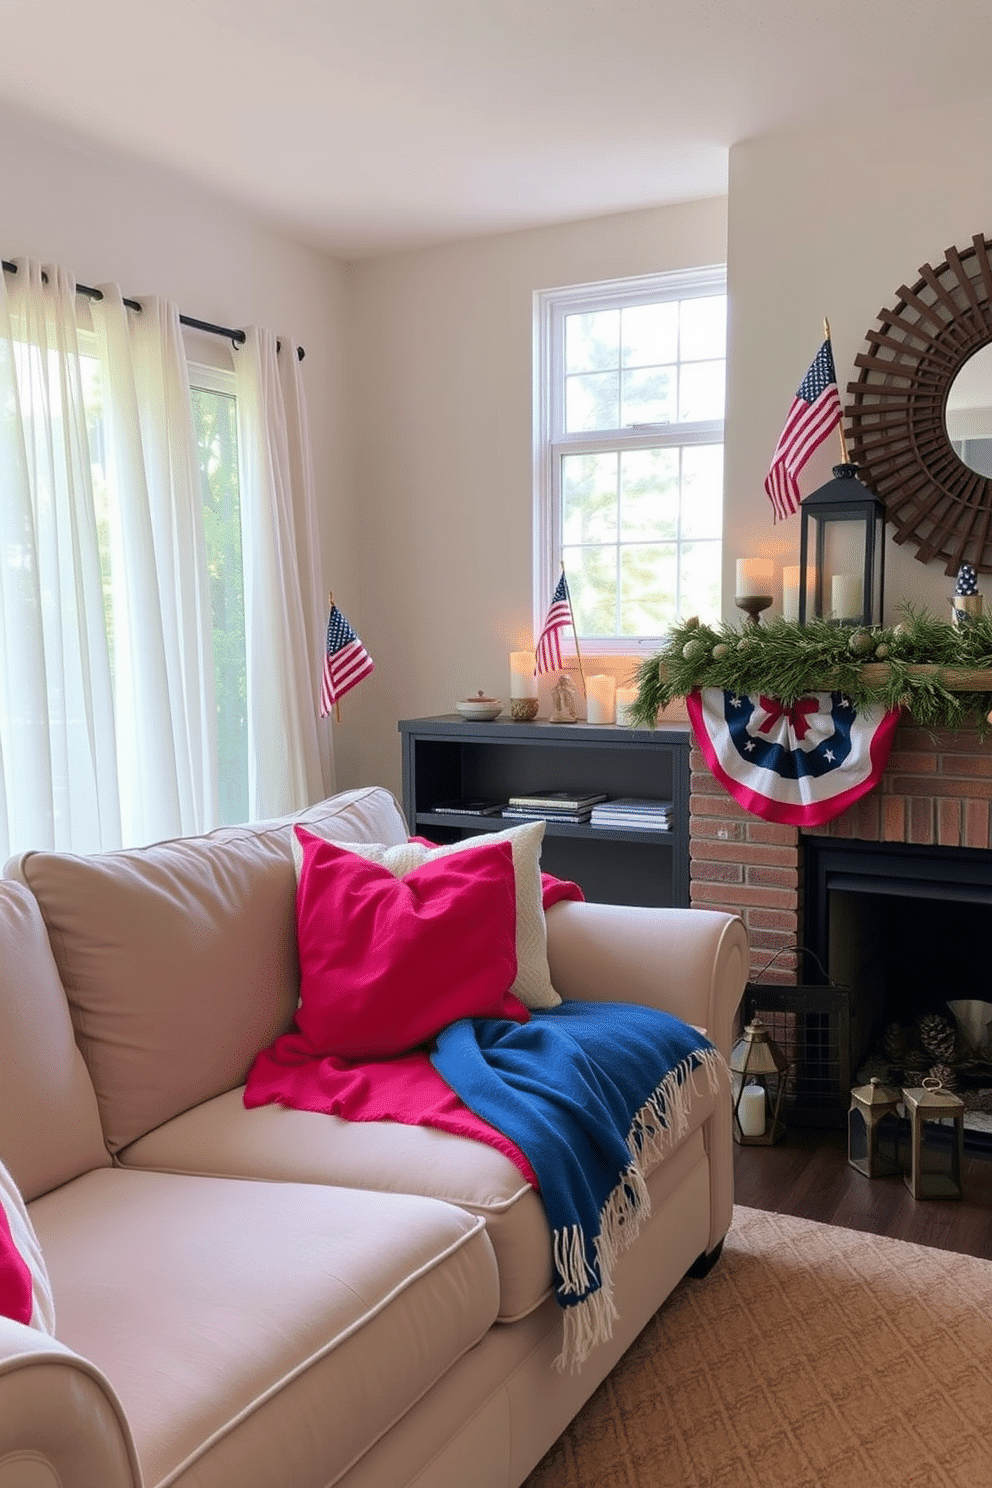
908 930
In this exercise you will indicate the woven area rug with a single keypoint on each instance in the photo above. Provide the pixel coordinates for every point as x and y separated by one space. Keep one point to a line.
810 1357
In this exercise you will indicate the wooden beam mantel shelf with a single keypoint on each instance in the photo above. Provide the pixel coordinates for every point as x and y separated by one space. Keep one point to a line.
878 674
939 674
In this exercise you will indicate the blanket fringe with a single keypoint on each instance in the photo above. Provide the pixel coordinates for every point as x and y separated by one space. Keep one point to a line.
658 1126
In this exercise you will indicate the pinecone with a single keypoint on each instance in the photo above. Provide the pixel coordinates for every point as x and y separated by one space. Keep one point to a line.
894 1043
981 1100
945 1074
938 1037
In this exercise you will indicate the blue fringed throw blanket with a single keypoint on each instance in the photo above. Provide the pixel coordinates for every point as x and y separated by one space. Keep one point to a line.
594 1094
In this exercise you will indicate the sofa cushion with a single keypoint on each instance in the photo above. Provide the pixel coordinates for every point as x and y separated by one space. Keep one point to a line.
25 1291
179 960
222 1138
261 1333
532 983
49 1123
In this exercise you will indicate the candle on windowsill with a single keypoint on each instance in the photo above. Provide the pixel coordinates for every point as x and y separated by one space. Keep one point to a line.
754 576
845 597
523 682
626 698
600 699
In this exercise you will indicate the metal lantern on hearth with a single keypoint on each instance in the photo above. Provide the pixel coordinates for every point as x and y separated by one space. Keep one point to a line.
873 1129
759 1070
936 1118
842 552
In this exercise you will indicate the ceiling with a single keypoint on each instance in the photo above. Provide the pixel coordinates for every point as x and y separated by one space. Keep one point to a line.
369 126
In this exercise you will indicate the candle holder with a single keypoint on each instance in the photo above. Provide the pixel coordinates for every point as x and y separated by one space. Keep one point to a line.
753 604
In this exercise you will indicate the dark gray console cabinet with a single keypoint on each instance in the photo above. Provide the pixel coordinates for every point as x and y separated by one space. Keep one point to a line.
448 757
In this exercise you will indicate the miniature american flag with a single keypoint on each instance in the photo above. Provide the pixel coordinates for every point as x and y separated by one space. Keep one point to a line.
345 663
814 413
548 653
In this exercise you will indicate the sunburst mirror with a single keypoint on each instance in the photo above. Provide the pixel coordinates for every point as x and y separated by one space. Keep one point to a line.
919 419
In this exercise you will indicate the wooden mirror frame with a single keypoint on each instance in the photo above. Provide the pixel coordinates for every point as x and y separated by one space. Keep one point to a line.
896 426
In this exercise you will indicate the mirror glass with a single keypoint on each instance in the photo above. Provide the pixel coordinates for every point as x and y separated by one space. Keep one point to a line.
969 412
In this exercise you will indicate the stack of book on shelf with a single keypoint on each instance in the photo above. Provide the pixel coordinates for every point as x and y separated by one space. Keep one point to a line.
554 805
469 806
637 813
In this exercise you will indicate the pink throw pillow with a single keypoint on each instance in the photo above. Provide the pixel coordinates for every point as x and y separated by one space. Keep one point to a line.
25 1291
387 962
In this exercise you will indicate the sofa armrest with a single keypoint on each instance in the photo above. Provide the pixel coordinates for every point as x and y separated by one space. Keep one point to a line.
60 1420
690 962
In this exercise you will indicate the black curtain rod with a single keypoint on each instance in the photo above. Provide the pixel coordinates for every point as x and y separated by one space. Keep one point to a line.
227 332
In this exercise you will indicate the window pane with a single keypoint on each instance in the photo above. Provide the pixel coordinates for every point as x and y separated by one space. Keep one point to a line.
589 498
701 391
701 581
650 334
702 490
649 396
592 401
649 494
592 587
703 328
648 578
592 342
215 421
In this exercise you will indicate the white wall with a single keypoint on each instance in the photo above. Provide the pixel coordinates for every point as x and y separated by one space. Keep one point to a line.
831 224
443 347
110 220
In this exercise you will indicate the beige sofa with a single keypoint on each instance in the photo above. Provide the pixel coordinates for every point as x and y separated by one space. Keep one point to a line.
272 1296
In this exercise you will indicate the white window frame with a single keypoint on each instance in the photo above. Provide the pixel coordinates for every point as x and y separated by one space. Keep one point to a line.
551 306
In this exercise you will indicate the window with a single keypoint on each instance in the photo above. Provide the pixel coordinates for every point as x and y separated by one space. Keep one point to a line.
629 403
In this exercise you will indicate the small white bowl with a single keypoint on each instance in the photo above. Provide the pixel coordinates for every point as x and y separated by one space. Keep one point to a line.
480 707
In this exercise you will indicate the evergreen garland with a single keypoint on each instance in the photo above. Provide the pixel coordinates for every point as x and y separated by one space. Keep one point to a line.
787 661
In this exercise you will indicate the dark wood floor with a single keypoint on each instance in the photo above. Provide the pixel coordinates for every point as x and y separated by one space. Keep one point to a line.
807 1174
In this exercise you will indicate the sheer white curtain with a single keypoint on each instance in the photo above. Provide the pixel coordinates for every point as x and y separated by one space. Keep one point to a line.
163 664
58 766
106 701
289 754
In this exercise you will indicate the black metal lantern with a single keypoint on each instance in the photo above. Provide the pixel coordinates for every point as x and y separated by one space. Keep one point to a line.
873 1129
758 1069
936 1141
842 552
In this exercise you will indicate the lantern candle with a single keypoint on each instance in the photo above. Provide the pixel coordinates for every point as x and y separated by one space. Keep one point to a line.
751 1111
845 596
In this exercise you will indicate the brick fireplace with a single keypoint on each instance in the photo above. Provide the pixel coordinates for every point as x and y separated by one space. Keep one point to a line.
936 792
912 867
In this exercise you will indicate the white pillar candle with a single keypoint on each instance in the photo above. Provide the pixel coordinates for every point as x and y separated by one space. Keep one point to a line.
751 1111
626 698
754 576
790 593
600 699
845 596
523 682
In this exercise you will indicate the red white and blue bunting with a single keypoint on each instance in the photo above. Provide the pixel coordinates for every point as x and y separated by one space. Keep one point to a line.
801 765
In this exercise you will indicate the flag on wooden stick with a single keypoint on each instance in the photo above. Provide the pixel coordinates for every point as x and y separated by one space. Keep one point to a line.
548 651
815 412
346 660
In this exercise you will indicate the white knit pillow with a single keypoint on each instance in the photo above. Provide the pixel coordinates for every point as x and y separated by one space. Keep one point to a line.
533 982
25 1242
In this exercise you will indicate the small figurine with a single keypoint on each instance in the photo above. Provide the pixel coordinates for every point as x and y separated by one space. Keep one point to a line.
966 602
564 702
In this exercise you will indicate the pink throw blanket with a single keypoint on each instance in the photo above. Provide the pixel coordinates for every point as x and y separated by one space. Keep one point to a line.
406 1088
